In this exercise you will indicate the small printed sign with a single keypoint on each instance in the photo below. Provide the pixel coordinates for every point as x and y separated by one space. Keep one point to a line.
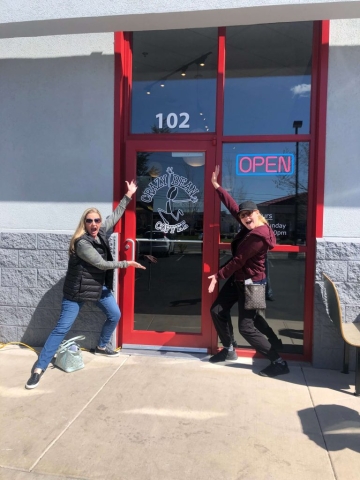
265 164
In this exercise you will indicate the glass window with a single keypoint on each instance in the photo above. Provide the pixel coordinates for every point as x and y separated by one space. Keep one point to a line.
268 78
285 314
169 240
275 177
174 81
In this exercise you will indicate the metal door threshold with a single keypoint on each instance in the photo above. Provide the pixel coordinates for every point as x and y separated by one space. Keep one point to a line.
163 348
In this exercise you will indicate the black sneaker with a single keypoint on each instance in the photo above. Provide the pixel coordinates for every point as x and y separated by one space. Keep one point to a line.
276 343
33 381
223 355
275 369
107 352
234 344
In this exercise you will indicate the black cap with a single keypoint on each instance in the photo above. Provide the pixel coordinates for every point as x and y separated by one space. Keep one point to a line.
248 205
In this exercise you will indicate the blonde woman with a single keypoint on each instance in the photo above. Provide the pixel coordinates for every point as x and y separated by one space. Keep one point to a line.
249 249
89 278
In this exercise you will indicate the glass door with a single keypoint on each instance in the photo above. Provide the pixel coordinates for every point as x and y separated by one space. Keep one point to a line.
275 176
168 229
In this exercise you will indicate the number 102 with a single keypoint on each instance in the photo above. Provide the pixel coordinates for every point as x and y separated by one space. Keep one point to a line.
172 120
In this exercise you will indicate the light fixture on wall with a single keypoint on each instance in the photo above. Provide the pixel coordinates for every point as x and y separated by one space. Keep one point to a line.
201 60
195 159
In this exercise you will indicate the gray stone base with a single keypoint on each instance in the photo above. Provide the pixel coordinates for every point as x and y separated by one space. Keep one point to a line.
32 271
340 260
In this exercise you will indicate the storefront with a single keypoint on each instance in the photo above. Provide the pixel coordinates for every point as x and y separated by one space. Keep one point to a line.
250 99
268 93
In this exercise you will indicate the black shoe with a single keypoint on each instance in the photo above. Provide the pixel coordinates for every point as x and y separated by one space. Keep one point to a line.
107 352
223 355
275 369
33 381
234 344
276 343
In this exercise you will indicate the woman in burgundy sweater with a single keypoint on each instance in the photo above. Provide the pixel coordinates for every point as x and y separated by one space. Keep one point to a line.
249 249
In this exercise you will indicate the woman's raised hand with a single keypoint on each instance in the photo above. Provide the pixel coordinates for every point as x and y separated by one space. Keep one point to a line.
214 177
132 187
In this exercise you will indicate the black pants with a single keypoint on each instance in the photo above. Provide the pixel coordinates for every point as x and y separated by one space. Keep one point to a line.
220 313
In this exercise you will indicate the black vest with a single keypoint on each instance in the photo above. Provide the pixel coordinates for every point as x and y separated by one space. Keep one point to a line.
83 281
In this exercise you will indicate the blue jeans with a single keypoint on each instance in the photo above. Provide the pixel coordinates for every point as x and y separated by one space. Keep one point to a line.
69 312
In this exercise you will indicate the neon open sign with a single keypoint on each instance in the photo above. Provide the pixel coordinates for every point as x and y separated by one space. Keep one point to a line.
265 164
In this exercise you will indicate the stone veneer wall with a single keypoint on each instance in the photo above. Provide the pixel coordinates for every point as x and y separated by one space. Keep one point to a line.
340 259
32 272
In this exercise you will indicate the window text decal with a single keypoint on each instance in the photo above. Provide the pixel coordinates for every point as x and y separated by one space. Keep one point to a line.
171 216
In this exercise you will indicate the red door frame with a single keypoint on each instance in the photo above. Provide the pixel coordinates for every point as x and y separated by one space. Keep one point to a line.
316 139
170 339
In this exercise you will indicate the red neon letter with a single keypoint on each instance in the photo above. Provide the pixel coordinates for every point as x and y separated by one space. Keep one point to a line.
241 164
270 164
256 164
287 168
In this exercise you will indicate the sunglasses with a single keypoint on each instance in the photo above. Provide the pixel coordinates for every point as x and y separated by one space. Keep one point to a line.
91 220
246 213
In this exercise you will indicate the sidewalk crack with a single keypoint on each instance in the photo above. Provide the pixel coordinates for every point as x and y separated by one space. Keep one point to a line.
318 421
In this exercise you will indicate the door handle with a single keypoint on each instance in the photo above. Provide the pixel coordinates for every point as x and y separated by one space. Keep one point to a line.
132 242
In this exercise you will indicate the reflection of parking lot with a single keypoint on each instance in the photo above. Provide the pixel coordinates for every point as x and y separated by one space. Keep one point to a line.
168 293
173 282
286 314
155 243
172 287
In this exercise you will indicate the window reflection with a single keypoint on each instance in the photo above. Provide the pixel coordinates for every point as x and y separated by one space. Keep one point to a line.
268 78
169 239
174 81
285 314
275 177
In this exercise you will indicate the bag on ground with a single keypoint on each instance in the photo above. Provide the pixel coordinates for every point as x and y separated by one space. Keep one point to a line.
68 356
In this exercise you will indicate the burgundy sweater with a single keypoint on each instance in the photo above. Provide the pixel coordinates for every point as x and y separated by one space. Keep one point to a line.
249 247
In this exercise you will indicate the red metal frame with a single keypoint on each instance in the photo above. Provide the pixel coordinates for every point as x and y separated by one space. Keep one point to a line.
211 143
316 172
127 291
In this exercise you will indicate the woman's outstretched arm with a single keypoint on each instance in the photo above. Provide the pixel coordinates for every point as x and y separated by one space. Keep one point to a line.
112 220
225 198
86 252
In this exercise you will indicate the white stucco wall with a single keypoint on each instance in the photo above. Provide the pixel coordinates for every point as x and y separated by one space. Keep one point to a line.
56 130
342 171
49 17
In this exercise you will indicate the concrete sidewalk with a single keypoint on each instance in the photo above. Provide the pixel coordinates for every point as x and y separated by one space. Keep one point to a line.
172 417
